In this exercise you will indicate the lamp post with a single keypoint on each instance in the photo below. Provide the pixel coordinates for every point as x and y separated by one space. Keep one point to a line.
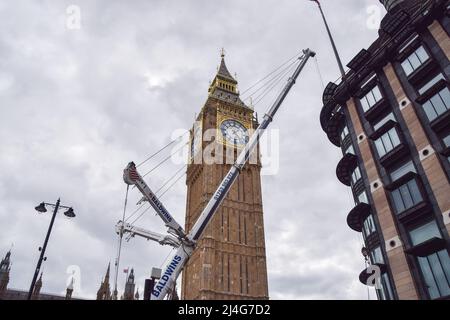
41 208
338 59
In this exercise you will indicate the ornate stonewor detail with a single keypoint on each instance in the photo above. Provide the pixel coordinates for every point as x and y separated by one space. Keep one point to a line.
230 260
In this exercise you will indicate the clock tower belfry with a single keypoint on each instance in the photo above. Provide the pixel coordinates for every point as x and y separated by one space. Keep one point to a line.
230 259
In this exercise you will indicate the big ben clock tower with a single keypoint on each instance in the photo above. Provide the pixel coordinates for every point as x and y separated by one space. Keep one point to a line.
230 259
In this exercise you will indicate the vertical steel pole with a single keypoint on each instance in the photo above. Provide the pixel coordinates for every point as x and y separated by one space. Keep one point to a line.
41 257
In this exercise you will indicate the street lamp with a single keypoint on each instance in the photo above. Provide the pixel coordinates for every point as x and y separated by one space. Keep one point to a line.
41 208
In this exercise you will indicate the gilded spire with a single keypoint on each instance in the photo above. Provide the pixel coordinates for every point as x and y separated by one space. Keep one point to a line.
223 82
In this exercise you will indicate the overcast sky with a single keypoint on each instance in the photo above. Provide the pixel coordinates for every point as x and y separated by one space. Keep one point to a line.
76 105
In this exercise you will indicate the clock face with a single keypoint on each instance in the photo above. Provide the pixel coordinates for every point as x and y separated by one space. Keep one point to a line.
234 132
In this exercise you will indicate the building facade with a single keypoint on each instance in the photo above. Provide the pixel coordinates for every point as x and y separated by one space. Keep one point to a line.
390 116
14 294
230 260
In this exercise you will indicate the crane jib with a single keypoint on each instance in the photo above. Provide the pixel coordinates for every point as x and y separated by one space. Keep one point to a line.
165 279
182 255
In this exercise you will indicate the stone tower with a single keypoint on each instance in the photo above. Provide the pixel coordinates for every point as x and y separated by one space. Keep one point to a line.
5 267
230 260
129 287
104 292
69 290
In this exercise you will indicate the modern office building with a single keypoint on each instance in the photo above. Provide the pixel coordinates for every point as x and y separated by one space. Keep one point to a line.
390 116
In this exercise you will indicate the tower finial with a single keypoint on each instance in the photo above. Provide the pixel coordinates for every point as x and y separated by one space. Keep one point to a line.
222 53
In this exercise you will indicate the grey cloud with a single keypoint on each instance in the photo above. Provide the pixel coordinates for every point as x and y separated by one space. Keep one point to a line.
75 107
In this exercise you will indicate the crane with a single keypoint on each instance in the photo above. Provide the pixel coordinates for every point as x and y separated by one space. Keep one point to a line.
123 227
186 242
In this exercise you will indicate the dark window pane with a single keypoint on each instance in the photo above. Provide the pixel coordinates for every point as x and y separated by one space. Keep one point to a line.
415 62
406 196
438 104
407 67
431 83
424 233
380 123
447 141
439 276
414 190
429 110
402 170
394 137
445 95
422 54
445 261
398 201
387 142
380 147
428 277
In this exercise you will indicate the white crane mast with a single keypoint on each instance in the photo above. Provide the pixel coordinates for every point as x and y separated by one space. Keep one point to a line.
188 242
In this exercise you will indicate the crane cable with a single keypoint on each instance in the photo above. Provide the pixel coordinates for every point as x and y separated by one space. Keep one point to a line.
160 150
272 72
270 80
164 160
274 83
119 249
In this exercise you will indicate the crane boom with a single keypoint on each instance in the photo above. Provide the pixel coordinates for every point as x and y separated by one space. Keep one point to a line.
131 176
123 227
180 258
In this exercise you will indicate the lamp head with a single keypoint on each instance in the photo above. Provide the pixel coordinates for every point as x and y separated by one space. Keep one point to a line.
41 208
69 213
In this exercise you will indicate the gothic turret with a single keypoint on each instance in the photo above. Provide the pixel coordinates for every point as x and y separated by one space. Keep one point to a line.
69 290
5 267
129 287
104 292
224 86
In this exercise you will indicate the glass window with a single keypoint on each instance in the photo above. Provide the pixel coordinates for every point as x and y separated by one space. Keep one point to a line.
371 98
425 232
435 268
356 175
350 149
415 60
385 292
438 104
406 196
362 198
431 83
380 123
369 226
344 133
387 142
402 170
376 256
446 141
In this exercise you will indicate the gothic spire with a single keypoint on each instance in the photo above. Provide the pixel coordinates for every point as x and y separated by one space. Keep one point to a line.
107 273
223 70
224 85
